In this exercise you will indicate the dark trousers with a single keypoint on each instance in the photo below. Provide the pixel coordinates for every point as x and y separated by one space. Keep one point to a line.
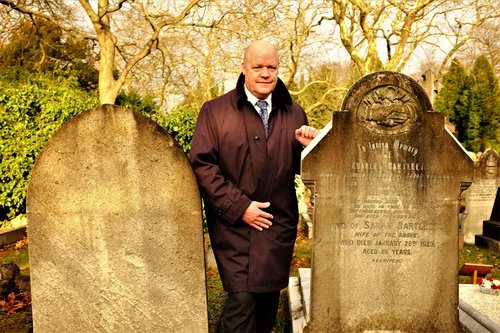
246 312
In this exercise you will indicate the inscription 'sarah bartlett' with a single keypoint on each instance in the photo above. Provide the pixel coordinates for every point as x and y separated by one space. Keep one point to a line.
387 177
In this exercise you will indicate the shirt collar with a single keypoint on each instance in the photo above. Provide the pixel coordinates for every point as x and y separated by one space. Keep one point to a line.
252 99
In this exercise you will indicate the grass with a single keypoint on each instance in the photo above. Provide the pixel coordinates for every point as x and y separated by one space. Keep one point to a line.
21 322
301 254
215 299
473 254
18 254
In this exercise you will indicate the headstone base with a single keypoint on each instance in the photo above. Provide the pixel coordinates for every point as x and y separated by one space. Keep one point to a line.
13 235
476 311
488 243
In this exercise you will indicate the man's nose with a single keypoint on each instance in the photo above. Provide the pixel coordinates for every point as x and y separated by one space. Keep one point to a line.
264 72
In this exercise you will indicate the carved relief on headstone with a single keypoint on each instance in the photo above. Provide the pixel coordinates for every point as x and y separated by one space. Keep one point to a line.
480 196
387 178
116 241
388 110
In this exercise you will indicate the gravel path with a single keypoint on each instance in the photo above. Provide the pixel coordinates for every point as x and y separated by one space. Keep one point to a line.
488 305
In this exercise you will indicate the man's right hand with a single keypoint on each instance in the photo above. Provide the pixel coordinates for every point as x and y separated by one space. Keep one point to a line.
255 217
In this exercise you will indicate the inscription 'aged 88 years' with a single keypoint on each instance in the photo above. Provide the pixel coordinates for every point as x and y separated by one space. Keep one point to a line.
387 178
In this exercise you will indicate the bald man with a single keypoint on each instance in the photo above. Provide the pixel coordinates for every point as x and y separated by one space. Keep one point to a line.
245 154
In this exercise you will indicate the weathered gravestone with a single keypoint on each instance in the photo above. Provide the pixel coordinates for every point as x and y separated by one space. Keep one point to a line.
490 236
115 230
480 196
495 212
387 180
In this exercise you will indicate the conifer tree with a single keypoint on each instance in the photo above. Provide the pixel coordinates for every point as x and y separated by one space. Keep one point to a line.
472 103
452 100
484 128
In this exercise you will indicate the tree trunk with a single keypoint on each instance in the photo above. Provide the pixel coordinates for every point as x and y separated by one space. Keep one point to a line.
107 83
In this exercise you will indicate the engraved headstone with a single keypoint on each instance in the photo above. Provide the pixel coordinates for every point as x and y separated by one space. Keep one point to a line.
480 196
490 236
116 241
387 179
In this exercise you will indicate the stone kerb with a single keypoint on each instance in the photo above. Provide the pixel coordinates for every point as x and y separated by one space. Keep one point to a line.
116 242
387 177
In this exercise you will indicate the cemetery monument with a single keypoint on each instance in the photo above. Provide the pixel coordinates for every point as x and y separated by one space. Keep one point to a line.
387 178
115 229
480 196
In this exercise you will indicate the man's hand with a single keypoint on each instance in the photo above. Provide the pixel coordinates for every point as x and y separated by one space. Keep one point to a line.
305 134
257 218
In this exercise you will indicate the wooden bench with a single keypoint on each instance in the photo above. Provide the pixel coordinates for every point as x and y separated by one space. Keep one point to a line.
474 271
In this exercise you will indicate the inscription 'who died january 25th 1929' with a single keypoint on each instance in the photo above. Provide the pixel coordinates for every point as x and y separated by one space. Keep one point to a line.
385 221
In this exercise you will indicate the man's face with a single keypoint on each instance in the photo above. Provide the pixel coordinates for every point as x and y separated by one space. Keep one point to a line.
260 68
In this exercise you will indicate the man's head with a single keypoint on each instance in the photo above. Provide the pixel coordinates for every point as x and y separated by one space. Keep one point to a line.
260 67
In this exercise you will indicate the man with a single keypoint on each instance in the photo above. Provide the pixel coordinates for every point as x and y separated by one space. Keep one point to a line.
245 166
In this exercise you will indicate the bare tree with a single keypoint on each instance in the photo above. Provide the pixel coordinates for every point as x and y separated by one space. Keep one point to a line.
403 26
190 49
106 30
212 57
486 41
9 20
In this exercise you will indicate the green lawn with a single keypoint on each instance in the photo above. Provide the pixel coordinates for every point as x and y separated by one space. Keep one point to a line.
474 255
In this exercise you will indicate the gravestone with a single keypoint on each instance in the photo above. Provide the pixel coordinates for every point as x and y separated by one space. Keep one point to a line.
480 196
490 233
387 179
495 212
116 241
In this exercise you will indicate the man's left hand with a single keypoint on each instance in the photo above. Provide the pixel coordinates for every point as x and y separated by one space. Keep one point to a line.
305 134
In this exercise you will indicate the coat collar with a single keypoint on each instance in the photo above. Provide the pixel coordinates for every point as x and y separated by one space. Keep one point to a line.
281 97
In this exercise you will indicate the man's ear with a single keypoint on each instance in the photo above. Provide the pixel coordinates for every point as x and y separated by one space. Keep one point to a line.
243 68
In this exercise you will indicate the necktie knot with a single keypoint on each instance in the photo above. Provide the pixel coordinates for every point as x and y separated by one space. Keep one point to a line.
262 104
264 114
